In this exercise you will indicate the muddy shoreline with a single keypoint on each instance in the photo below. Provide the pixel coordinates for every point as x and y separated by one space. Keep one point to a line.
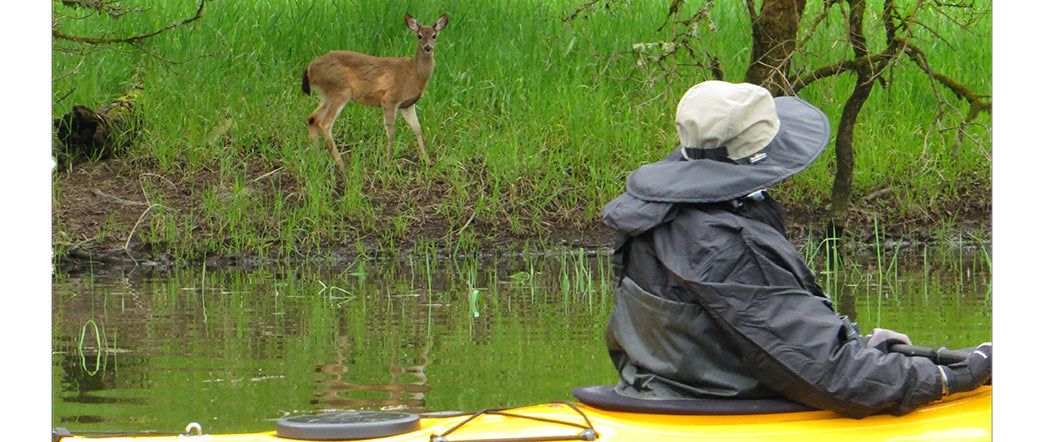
101 213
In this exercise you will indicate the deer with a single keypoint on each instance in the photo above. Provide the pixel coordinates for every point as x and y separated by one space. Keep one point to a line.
387 82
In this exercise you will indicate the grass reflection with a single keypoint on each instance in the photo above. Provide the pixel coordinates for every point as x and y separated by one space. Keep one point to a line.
238 348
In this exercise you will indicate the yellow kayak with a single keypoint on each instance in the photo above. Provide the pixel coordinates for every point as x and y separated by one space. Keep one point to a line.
960 417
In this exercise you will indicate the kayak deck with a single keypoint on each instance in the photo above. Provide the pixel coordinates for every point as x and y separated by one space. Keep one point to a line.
961 417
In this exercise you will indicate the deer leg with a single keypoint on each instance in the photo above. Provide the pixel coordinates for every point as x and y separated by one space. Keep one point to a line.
334 105
313 122
389 125
410 115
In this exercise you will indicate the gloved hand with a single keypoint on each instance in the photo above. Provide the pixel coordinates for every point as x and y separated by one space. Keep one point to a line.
969 374
881 339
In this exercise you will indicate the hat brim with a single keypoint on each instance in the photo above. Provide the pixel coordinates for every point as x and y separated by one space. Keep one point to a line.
804 132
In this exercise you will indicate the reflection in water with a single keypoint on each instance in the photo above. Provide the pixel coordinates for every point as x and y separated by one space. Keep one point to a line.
396 395
236 349
87 374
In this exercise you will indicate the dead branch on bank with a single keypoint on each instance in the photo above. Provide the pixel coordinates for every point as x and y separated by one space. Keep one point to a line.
126 245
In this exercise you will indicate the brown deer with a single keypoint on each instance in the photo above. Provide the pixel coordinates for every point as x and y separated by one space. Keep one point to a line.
388 83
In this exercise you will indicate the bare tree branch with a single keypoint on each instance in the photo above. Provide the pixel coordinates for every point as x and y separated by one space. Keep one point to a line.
582 8
752 9
977 101
840 67
132 39
72 71
110 8
815 24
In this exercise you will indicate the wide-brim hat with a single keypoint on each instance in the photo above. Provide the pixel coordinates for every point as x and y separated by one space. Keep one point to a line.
732 146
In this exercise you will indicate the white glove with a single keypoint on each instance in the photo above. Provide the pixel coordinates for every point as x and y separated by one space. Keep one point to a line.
882 338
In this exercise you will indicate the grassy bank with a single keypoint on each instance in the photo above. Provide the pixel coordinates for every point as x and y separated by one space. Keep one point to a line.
532 123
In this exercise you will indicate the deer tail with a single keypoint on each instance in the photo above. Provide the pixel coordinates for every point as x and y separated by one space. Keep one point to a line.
306 86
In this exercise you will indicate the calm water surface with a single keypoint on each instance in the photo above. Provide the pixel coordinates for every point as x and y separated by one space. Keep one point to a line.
236 350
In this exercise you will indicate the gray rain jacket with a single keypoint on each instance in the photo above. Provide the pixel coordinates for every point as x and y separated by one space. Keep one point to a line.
712 303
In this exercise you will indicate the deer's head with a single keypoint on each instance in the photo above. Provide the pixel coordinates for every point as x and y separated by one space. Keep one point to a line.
426 34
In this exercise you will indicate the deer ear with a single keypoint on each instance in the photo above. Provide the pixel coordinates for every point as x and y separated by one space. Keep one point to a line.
442 22
412 23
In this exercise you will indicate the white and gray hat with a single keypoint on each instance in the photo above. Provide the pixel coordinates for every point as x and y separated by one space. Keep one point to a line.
735 140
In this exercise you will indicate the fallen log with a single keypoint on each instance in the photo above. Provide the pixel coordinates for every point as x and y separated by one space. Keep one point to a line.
85 134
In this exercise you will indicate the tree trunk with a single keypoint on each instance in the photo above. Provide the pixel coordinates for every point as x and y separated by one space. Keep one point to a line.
774 31
841 194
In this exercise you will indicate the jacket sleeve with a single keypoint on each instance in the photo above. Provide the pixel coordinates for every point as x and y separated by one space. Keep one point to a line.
789 336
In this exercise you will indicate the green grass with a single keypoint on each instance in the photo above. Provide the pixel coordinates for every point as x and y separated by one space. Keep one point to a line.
529 120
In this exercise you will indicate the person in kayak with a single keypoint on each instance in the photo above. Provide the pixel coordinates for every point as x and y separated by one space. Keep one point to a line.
712 300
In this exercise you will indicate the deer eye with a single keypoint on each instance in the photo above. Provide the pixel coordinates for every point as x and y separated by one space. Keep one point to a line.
433 36
419 36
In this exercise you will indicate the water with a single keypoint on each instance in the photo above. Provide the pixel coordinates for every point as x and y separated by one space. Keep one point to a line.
236 350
